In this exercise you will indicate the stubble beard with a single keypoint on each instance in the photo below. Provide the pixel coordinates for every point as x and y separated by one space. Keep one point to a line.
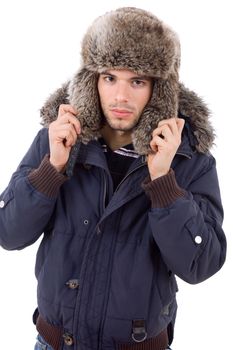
119 125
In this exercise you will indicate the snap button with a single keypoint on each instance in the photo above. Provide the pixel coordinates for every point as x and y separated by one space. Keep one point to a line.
73 284
2 204
166 310
68 339
198 239
87 166
86 222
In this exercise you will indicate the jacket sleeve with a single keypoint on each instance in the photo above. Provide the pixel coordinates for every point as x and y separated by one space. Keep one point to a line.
187 223
27 204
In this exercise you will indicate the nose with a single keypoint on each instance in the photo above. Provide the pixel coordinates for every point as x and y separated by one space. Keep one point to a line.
122 92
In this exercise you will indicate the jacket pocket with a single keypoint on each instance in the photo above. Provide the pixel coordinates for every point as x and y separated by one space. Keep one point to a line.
141 289
59 261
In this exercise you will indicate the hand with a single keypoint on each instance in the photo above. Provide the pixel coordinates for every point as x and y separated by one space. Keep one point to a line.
166 139
63 133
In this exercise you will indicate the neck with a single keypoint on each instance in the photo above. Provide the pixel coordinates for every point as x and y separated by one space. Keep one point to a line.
115 138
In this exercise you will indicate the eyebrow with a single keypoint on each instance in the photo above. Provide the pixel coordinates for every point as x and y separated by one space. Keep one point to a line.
140 77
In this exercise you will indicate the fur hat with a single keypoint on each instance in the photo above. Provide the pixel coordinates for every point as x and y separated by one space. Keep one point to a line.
127 38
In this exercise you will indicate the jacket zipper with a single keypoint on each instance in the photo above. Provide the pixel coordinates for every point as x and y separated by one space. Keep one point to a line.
144 163
113 245
103 201
105 192
131 172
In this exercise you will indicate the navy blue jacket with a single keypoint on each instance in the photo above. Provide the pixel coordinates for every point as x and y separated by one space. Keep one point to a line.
119 249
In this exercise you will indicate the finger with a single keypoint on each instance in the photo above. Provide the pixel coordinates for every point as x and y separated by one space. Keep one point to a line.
66 108
171 123
69 141
71 137
65 133
163 131
156 142
180 124
69 118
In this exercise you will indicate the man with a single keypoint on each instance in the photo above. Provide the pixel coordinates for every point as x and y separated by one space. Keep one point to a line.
124 188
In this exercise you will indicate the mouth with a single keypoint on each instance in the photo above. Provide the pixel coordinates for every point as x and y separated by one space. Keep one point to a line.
120 112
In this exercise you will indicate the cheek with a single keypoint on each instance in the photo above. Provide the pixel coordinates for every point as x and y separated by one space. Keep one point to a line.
148 95
144 100
103 95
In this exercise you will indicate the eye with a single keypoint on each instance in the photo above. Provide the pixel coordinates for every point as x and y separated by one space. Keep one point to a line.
138 82
108 78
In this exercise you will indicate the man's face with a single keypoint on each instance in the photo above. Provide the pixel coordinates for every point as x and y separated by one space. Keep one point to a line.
123 96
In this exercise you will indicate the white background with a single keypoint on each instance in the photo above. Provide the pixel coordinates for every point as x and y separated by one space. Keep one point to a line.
40 43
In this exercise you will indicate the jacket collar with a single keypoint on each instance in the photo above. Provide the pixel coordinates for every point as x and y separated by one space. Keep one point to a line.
92 154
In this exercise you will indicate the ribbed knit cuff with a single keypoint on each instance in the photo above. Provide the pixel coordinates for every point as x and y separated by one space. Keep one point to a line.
163 191
51 334
46 179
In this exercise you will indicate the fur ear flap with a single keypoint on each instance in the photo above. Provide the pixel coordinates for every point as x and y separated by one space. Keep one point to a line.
83 95
49 111
162 105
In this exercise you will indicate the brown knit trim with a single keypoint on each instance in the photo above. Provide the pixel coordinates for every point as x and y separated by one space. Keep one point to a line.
158 343
164 190
51 334
46 179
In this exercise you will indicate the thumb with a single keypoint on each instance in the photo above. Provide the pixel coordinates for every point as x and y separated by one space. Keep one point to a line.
180 124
